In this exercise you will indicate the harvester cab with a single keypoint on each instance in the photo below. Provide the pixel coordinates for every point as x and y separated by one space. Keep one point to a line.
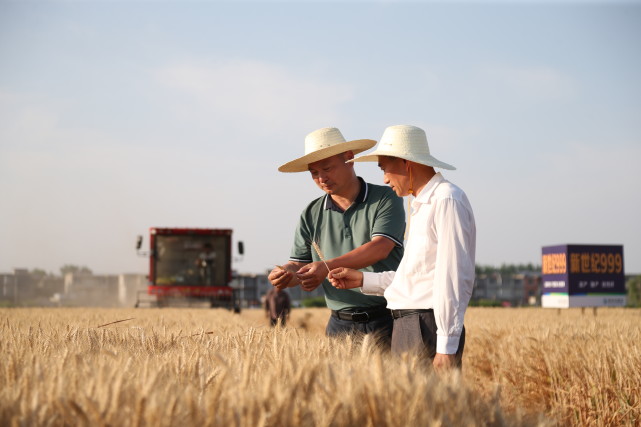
189 265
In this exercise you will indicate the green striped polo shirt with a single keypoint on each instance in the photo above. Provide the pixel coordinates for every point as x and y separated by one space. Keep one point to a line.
377 211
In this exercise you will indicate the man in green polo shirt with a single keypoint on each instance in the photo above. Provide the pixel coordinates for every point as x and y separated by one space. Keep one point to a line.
355 224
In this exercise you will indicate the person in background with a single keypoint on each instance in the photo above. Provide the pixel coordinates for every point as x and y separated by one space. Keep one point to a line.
429 293
355 224
277 306
206 263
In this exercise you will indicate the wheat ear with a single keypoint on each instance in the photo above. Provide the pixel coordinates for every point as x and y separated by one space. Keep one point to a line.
320 254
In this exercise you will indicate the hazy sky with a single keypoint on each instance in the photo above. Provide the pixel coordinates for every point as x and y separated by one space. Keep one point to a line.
119 116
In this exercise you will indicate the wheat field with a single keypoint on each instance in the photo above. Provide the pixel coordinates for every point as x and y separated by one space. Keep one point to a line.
173 366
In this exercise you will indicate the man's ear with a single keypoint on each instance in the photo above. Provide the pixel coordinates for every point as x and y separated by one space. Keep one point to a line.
349 155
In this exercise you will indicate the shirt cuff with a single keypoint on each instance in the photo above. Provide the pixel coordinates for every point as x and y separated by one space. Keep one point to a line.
371 284
447 344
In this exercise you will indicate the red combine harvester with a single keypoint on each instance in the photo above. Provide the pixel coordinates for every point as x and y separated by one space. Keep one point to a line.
189 265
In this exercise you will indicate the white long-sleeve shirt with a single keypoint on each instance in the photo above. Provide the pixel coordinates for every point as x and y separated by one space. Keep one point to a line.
437 269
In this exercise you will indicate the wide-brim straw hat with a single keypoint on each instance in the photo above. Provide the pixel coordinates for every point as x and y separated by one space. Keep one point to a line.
322 144
407 142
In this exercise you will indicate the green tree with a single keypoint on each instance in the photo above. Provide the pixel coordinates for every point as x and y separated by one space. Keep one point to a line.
633 286
314 302
506 268
38 272
75 269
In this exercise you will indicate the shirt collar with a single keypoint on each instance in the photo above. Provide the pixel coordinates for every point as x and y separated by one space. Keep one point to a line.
426 192
360 198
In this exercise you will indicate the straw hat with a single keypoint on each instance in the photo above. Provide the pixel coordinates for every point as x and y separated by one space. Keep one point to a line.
406 142
322 144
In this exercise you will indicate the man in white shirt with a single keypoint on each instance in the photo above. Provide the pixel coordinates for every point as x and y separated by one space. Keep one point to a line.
431 289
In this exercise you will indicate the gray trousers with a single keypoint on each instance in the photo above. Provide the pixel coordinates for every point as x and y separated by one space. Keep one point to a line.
416 334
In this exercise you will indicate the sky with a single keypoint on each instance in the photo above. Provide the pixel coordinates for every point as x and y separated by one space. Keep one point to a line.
118 116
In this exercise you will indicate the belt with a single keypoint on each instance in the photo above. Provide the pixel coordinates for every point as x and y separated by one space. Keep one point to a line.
361 315
402 313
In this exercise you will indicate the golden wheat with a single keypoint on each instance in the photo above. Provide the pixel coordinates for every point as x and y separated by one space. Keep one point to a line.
210 367
320 254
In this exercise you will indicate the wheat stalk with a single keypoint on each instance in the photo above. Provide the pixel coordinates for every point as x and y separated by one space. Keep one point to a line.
117 321
320 254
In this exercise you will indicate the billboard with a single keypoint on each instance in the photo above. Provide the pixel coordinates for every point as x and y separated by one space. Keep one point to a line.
582 276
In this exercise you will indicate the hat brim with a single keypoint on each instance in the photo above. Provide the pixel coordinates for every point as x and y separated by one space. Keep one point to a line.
425 159
302 163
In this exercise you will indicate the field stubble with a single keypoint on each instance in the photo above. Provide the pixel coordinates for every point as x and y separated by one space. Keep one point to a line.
210 367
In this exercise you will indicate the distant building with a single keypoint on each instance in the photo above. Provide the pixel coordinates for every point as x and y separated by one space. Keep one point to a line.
511 289
87 289
8 288
250 288
253 287
128 287
531 288
22 288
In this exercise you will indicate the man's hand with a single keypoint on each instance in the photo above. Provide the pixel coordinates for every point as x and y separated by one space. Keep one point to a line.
283 278
443 362
312 275
345 278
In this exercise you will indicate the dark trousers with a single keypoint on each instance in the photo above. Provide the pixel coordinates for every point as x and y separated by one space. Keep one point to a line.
380 329
416 334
